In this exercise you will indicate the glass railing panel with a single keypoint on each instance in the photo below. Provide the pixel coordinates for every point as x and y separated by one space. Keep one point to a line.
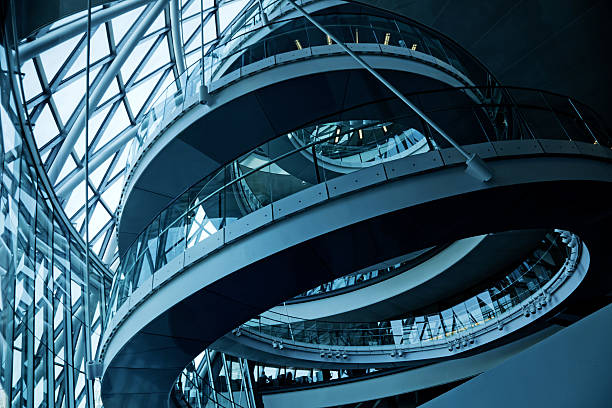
173 102
292 170
196 194
410 37
435 48
113 300
172 241
148 252
467 65
204 219
538 115
565 116
252 179
154 118
454 60
126 272
496 123
588 124
173 212
514 290
545 123
593 125
290 35
192 85
517 127
211 186
309 156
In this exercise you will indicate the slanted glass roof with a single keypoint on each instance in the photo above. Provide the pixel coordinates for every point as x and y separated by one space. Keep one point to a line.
54 87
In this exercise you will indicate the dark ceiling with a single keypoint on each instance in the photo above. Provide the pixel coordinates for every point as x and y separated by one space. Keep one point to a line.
558 45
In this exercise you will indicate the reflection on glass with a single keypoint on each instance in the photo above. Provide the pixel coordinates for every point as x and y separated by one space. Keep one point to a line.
370 275
517 288
305 157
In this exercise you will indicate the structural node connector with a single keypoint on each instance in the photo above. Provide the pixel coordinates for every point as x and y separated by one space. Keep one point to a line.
205 96
477 168
93 370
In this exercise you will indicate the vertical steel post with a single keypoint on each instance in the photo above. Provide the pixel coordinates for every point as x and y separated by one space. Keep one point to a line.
211 378
227 380
175 29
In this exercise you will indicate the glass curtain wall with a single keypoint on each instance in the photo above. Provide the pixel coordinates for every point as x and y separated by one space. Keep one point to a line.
45 329
214 379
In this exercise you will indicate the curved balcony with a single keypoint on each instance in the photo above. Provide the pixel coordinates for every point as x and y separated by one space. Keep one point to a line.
434 277
301 241
247 73
259 178
299 386
537 285
260 225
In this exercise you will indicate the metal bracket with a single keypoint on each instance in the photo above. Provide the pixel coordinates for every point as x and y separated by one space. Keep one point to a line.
94 370
477 168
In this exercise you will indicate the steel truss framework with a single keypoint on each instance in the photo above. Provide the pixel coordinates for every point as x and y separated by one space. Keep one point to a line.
137 52
51 310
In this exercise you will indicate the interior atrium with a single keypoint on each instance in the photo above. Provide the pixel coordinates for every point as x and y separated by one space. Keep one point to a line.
305 203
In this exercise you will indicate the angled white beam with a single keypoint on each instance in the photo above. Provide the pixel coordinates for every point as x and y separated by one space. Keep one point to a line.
106 81
33 48
95 160
177 42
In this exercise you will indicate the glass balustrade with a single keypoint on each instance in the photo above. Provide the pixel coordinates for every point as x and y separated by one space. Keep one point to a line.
368 276
523 285
306 157
251 41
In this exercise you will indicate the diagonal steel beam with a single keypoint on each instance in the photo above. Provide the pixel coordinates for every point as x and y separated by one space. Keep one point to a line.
177 42
95 160
96 94
475 166
33 48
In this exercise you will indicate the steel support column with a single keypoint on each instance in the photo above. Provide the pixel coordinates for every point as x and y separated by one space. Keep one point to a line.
177 43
